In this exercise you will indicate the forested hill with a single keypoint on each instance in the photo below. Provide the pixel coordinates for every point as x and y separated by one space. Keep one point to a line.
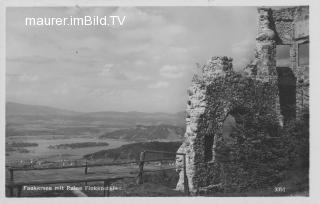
131 152
147 133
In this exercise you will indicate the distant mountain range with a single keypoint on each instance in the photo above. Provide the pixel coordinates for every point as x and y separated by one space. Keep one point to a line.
22 119
13 109
147 133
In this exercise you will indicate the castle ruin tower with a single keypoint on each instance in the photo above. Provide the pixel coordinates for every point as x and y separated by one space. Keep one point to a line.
265 57
282 57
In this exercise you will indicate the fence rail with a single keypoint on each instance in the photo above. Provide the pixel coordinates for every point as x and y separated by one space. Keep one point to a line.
85 166
11 184
70 167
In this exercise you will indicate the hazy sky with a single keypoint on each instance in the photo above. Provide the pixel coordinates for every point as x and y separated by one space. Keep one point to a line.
145 65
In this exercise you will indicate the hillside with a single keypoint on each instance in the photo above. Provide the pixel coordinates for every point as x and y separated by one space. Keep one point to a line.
147 133
24 119
132 151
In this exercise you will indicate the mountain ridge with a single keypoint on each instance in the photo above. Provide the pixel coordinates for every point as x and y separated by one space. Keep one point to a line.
13 108
10 106
24 119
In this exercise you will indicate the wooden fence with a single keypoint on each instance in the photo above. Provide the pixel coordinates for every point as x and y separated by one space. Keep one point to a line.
11 184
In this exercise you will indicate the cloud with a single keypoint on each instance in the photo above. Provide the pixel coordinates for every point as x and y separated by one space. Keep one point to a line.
108 66
171 71
23 78
104 92
140 78
28 78
140 63
159 84
147 33
242 52
60 91
110 71
37 59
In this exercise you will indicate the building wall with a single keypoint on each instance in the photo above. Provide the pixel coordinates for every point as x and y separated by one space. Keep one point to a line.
291 26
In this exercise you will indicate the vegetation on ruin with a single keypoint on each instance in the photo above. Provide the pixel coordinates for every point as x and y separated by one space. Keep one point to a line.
265 156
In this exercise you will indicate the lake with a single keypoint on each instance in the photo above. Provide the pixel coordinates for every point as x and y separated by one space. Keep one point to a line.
42 152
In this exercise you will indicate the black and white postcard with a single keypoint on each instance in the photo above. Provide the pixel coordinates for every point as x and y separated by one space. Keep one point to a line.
114 99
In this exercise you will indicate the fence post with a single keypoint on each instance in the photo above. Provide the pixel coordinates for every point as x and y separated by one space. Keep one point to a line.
11 191
108 190
185 178
11 179
86 172
19 191
86 168
106 184
141 163
11 174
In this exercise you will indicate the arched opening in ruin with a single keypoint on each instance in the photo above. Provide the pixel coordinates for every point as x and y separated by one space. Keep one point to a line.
227 128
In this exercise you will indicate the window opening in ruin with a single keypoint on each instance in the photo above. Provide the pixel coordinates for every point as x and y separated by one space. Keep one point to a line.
228 127
287 92
303 54
283 56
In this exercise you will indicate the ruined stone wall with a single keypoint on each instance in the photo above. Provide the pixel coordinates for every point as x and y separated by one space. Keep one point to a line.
290 24
219 92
